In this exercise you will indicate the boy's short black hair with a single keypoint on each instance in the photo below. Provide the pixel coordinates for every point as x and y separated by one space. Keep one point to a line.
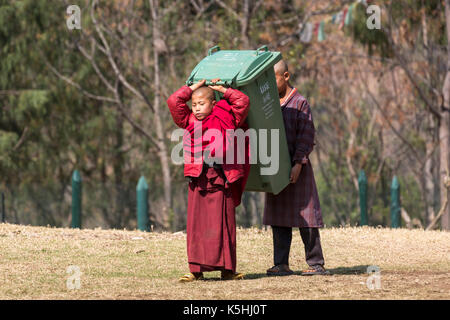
207 91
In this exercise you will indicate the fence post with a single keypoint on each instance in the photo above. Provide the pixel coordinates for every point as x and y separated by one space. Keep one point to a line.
76 200
142 205
362 183
395 203
3 209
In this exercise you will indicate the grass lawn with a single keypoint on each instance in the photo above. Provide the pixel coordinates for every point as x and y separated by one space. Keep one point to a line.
116 264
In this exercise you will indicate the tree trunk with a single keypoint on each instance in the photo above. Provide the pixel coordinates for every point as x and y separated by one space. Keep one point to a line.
247 205
262 200
254 209
245 21
429 181
163 152
444 129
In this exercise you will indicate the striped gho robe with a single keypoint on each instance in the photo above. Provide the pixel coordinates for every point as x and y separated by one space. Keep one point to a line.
298 204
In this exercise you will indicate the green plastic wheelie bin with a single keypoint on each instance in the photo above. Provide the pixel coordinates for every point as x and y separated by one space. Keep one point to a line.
252 72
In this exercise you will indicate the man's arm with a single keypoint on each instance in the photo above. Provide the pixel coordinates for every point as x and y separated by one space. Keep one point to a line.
240 105
178 107
305 133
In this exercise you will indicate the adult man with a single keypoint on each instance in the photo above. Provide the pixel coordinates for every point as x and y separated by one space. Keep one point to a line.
298 204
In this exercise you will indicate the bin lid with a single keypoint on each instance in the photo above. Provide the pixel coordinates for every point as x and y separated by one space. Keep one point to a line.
233 67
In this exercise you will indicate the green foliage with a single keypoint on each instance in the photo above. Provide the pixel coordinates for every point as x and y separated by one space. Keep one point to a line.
410 192
7 141
374 40
404 15
30 105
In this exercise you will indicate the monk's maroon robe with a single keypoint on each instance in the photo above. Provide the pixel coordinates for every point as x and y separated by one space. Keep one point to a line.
213 193
211 224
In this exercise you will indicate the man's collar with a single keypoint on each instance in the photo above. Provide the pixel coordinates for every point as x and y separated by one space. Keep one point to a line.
291 94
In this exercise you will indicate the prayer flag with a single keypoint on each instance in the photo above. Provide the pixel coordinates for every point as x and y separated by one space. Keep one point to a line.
344 15
321 35
307 32
348 17
316 28
333 19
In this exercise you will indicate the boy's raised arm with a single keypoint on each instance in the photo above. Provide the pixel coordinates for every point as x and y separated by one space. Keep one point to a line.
240 104
178 107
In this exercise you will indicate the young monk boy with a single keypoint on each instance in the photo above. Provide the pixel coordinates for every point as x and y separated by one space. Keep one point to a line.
215 189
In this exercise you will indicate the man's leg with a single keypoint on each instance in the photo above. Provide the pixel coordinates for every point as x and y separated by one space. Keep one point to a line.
282 238
313 248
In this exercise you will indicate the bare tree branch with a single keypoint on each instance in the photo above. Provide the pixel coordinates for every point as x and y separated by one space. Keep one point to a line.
76 85
397 133
91 59
110 57
228 8
21 140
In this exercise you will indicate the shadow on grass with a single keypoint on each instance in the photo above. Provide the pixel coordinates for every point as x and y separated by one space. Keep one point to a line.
361 269
355 270
248 276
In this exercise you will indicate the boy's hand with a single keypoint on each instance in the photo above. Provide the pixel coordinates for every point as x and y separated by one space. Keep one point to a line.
197 85
295 172
217 88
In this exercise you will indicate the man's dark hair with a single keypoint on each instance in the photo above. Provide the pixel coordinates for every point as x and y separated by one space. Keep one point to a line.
281 67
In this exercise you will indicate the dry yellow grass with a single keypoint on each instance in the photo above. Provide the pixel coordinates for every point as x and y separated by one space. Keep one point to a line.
116 264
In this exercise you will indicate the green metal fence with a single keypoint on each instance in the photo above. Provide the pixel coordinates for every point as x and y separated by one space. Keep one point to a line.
395 207
122 206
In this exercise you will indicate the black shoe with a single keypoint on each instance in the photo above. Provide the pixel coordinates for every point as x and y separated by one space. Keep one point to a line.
279 270
315 270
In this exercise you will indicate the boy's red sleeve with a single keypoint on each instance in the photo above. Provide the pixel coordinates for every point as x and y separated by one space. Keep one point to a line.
178 108
240 105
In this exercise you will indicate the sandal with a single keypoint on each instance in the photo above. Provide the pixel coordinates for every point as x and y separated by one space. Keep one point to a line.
229 275
189 277
279 270
315 270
